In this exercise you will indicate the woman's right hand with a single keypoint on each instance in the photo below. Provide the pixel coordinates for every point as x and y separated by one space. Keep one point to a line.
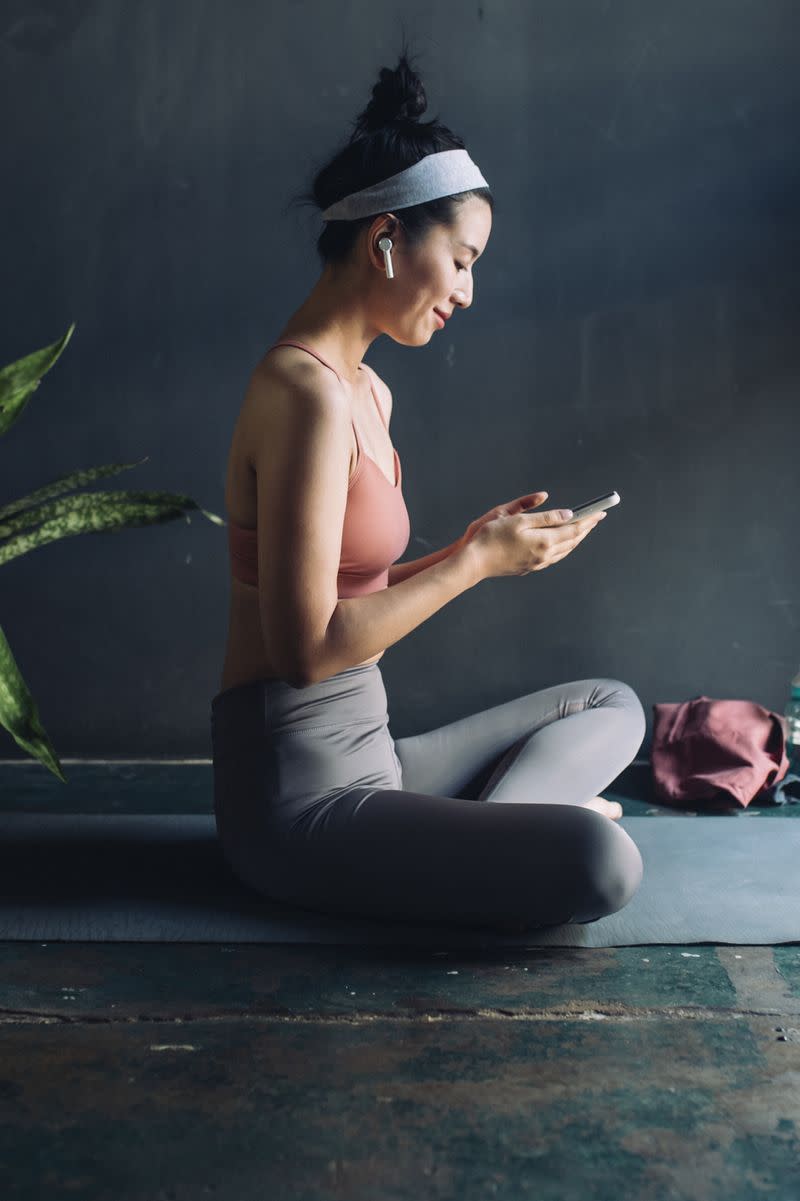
519 543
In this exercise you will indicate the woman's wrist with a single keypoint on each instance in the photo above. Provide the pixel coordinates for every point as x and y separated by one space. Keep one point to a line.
469 554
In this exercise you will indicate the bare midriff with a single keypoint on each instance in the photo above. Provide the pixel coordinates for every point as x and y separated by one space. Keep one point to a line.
246 657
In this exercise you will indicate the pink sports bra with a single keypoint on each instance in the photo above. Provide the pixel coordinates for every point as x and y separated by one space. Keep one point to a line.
376 526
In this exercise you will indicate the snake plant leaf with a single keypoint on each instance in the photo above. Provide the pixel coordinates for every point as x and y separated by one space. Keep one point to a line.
91 513
20 715
20 379
87 501
67 483
87 513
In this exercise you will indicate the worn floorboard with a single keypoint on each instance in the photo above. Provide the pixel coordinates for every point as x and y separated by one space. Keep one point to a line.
178 1072
184 1072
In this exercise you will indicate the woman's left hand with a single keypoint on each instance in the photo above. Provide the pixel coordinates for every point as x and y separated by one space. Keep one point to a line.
531 500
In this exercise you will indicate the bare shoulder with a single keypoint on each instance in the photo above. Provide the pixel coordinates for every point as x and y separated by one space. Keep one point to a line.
278 385
278 380
290 371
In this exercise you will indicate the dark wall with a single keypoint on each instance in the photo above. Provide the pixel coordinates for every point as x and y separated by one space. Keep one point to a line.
634 326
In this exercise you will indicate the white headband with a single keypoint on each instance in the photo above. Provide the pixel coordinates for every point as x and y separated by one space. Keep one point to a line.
444 173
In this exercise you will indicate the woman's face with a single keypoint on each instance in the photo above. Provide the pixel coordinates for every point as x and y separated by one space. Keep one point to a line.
436 274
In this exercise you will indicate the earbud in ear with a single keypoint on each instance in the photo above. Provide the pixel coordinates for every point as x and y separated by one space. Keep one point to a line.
385 245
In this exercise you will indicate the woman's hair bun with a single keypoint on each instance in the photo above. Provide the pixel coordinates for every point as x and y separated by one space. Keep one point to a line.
386 138
397 96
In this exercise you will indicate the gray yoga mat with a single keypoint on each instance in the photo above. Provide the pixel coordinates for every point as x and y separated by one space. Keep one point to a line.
162 878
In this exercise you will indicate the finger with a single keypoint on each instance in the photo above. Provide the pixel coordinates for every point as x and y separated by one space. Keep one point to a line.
575 531
527 501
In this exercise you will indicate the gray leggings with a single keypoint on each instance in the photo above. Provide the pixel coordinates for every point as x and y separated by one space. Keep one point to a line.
477 823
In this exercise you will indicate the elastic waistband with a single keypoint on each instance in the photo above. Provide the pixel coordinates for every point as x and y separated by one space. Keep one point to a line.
252 709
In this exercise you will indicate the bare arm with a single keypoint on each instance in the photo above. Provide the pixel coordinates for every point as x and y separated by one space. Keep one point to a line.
361 626
403 571
302 459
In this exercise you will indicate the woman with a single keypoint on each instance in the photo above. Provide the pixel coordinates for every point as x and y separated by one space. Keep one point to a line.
490 820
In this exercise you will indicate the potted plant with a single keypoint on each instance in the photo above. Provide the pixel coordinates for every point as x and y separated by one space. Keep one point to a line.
38 518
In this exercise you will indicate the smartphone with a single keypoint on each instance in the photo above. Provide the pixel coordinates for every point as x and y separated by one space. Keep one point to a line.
591 506
588 508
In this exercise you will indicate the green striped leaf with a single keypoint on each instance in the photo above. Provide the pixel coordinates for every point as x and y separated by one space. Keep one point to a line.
67 483
28 522
19 714
90 504
19 380
88 515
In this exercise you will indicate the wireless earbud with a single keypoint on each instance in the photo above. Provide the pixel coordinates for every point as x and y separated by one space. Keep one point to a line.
385 245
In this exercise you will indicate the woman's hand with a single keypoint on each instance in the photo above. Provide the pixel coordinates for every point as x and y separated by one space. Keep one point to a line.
530 501
508 541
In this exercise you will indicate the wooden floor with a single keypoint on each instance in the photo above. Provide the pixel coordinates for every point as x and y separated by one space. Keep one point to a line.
186 1072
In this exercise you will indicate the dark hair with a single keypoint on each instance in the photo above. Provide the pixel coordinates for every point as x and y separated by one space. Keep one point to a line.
387 137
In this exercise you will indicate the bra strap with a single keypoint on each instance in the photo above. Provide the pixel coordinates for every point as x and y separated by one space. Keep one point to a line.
375 395
302 346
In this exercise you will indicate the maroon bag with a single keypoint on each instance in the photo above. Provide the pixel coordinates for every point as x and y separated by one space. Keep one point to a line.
715 749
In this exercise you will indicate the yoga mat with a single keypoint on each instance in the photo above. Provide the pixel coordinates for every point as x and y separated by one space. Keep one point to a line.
163 878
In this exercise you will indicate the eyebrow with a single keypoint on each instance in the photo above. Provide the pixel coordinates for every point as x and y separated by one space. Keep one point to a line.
472 248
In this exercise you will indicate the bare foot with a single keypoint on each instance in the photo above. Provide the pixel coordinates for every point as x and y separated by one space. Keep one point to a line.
611 809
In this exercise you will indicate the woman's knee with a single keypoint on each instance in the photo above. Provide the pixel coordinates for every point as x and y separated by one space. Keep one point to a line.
613 867
637 718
